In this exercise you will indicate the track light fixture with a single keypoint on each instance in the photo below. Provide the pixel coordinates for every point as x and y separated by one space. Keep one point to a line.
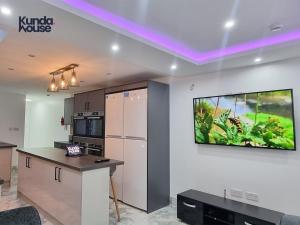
74 82
53 86
63 83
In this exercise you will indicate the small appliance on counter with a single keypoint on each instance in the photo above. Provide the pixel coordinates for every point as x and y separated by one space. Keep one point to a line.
93 146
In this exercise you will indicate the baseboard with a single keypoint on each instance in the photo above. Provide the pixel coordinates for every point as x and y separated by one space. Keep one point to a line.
173 202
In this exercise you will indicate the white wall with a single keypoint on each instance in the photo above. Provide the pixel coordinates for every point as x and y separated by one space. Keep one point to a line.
42 126
273 175
12 119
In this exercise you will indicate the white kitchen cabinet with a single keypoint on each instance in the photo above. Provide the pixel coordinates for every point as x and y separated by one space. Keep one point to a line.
5 163
135 173
60 195
135 114
114 108
114 148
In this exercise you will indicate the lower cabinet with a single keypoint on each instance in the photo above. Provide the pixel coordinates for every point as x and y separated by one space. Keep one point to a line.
56 189
199 208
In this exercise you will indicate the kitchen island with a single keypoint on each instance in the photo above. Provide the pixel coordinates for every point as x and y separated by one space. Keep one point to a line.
5 160
73 190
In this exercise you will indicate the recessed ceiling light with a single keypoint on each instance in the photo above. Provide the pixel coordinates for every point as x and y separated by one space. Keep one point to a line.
257 60
173 67
11 68
31 55
108 74
115 47
229 24
275 27
28 100
5 11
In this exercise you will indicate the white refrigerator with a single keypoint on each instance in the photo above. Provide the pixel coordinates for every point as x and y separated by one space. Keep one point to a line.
126 140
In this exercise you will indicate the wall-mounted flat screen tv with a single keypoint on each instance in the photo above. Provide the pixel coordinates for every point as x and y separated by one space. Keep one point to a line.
258 119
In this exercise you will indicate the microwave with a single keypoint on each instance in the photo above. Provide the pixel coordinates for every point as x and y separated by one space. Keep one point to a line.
89 125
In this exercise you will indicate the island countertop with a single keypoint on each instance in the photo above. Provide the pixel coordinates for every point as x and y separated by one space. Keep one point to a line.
82 163
6 145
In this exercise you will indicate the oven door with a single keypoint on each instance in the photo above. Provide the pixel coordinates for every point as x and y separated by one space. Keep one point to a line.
80 126
96 127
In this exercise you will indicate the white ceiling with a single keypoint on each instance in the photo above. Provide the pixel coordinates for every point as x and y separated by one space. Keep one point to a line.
80 38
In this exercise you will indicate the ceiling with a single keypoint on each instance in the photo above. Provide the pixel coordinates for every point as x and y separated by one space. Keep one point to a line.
196 26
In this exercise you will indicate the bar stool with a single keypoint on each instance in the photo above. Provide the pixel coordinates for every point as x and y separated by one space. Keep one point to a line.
115 199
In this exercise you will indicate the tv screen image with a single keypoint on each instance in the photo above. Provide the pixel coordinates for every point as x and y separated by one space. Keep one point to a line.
258 119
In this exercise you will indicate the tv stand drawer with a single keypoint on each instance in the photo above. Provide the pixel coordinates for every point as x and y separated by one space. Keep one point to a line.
246 220
190 211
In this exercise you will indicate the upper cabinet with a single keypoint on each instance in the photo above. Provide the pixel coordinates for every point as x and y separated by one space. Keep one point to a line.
69 111
96 101
80 102
92 101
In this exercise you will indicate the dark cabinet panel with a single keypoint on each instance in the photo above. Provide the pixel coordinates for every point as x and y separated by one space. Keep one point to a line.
80 102
92 101
69 111
96 101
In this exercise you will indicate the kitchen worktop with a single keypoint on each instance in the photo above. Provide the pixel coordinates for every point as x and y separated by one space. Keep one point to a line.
6 145
82 163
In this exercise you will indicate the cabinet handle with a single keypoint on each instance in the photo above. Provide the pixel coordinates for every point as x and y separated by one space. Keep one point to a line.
88 106
55 174
59 180
189 205
28 162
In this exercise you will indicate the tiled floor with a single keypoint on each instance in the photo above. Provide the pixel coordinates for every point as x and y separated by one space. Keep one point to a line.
129 215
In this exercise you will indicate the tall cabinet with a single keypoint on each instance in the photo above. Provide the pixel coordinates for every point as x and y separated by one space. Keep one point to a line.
137 132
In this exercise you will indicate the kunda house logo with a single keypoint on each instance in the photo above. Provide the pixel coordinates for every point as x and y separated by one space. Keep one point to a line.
36 25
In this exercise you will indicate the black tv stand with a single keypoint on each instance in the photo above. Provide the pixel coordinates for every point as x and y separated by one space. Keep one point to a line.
198 208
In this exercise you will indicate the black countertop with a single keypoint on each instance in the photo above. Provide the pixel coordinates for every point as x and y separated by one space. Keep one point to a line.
82 163
6 145
235 206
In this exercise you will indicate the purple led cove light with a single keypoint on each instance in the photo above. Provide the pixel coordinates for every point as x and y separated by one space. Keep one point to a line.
134 28
248 46
174 46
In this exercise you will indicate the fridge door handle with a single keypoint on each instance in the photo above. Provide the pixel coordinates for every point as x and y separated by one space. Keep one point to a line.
135 138
113 136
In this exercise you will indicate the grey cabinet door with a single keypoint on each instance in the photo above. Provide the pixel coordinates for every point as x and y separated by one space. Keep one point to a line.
80 102
69 111
96 101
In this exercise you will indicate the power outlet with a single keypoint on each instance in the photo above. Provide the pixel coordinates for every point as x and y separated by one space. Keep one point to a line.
252 196
237 193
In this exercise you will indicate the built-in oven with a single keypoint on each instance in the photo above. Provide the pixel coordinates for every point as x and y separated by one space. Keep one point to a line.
89 125
79 125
